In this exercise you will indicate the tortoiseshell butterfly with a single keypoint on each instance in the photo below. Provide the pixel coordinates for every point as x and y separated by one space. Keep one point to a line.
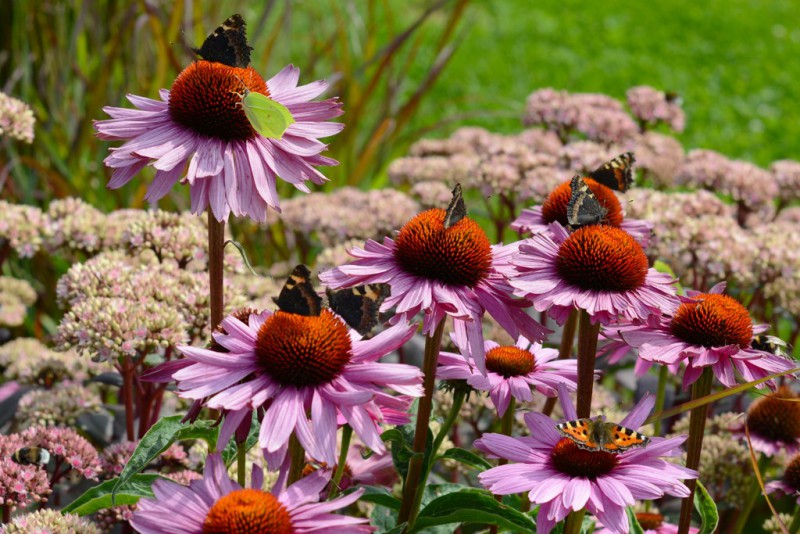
583 209
598 435
457 209
227 44
615 174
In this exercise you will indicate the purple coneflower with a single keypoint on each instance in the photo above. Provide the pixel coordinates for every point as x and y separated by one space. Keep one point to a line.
231 168
442 271
789 483
599 269
293 365
651 523
538 219
774 423
512 371
707 330
217 504
561 477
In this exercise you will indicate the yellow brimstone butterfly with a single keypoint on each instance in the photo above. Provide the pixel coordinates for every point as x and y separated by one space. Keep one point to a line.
268 117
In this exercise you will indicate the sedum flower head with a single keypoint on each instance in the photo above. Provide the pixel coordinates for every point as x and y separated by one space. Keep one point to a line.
21 226
15 297
74 226
58 406
16 119
48 521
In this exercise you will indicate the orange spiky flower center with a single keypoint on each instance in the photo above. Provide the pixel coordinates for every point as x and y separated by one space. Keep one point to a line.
570 459
459 256
510 361
248 510
554 208
650 521
205 98
602 258
776 417
791 477
713 320
302 351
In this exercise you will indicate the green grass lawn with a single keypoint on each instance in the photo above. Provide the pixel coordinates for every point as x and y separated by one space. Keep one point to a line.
734 62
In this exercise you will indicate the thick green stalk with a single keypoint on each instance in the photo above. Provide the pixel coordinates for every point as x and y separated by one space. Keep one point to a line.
298 460
241 463
347 433
433 344
697 427
564 352
755 493
661 393
587 353
574 522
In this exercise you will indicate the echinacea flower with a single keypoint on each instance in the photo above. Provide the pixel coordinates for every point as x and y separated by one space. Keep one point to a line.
217 504
538 219
789 483
561 477
199 123
442 272
707 330
512 371
774 423
292 365
599 269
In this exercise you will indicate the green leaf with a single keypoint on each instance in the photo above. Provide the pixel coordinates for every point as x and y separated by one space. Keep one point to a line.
635 527
472 506
381 497
466 457
707 508
161 435
267 116
100 496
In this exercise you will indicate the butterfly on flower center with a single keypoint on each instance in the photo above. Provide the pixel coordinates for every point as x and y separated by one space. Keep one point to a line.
598 435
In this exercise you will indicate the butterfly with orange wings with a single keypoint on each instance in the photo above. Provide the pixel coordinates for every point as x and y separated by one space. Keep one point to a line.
598 435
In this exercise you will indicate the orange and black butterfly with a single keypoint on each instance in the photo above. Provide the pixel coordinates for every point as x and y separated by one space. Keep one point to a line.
616 174
597 435
227 44
583 208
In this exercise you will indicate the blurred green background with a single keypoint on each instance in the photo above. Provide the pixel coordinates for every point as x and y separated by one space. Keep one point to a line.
404 69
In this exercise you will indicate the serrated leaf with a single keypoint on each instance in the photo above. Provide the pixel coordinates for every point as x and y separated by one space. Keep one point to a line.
635 527
100 496
466 457
164 433
707 508
472 506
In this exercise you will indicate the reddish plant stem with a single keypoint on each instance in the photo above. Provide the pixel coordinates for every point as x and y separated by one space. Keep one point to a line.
433 344
564 352
156 411
6 513
216 244
697 426
127 396
587 353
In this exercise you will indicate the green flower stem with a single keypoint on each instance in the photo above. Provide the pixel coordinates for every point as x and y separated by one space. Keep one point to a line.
347 433
587 353
795 524
564 352
755 493
697 426
433 344
241 463
444 431
298 460
506 424
574 522
661 393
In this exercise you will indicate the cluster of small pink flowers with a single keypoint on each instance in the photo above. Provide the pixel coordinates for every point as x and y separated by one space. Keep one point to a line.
111 327
585 156
789 215
15 297
659 156
778 263
177 236
16 119
431 194
341 215
74 226
435 168
599 117
22 227
651 107
30 362
787 176
20 485
108 519
60 405
337 255
66 443
538 183
48 521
